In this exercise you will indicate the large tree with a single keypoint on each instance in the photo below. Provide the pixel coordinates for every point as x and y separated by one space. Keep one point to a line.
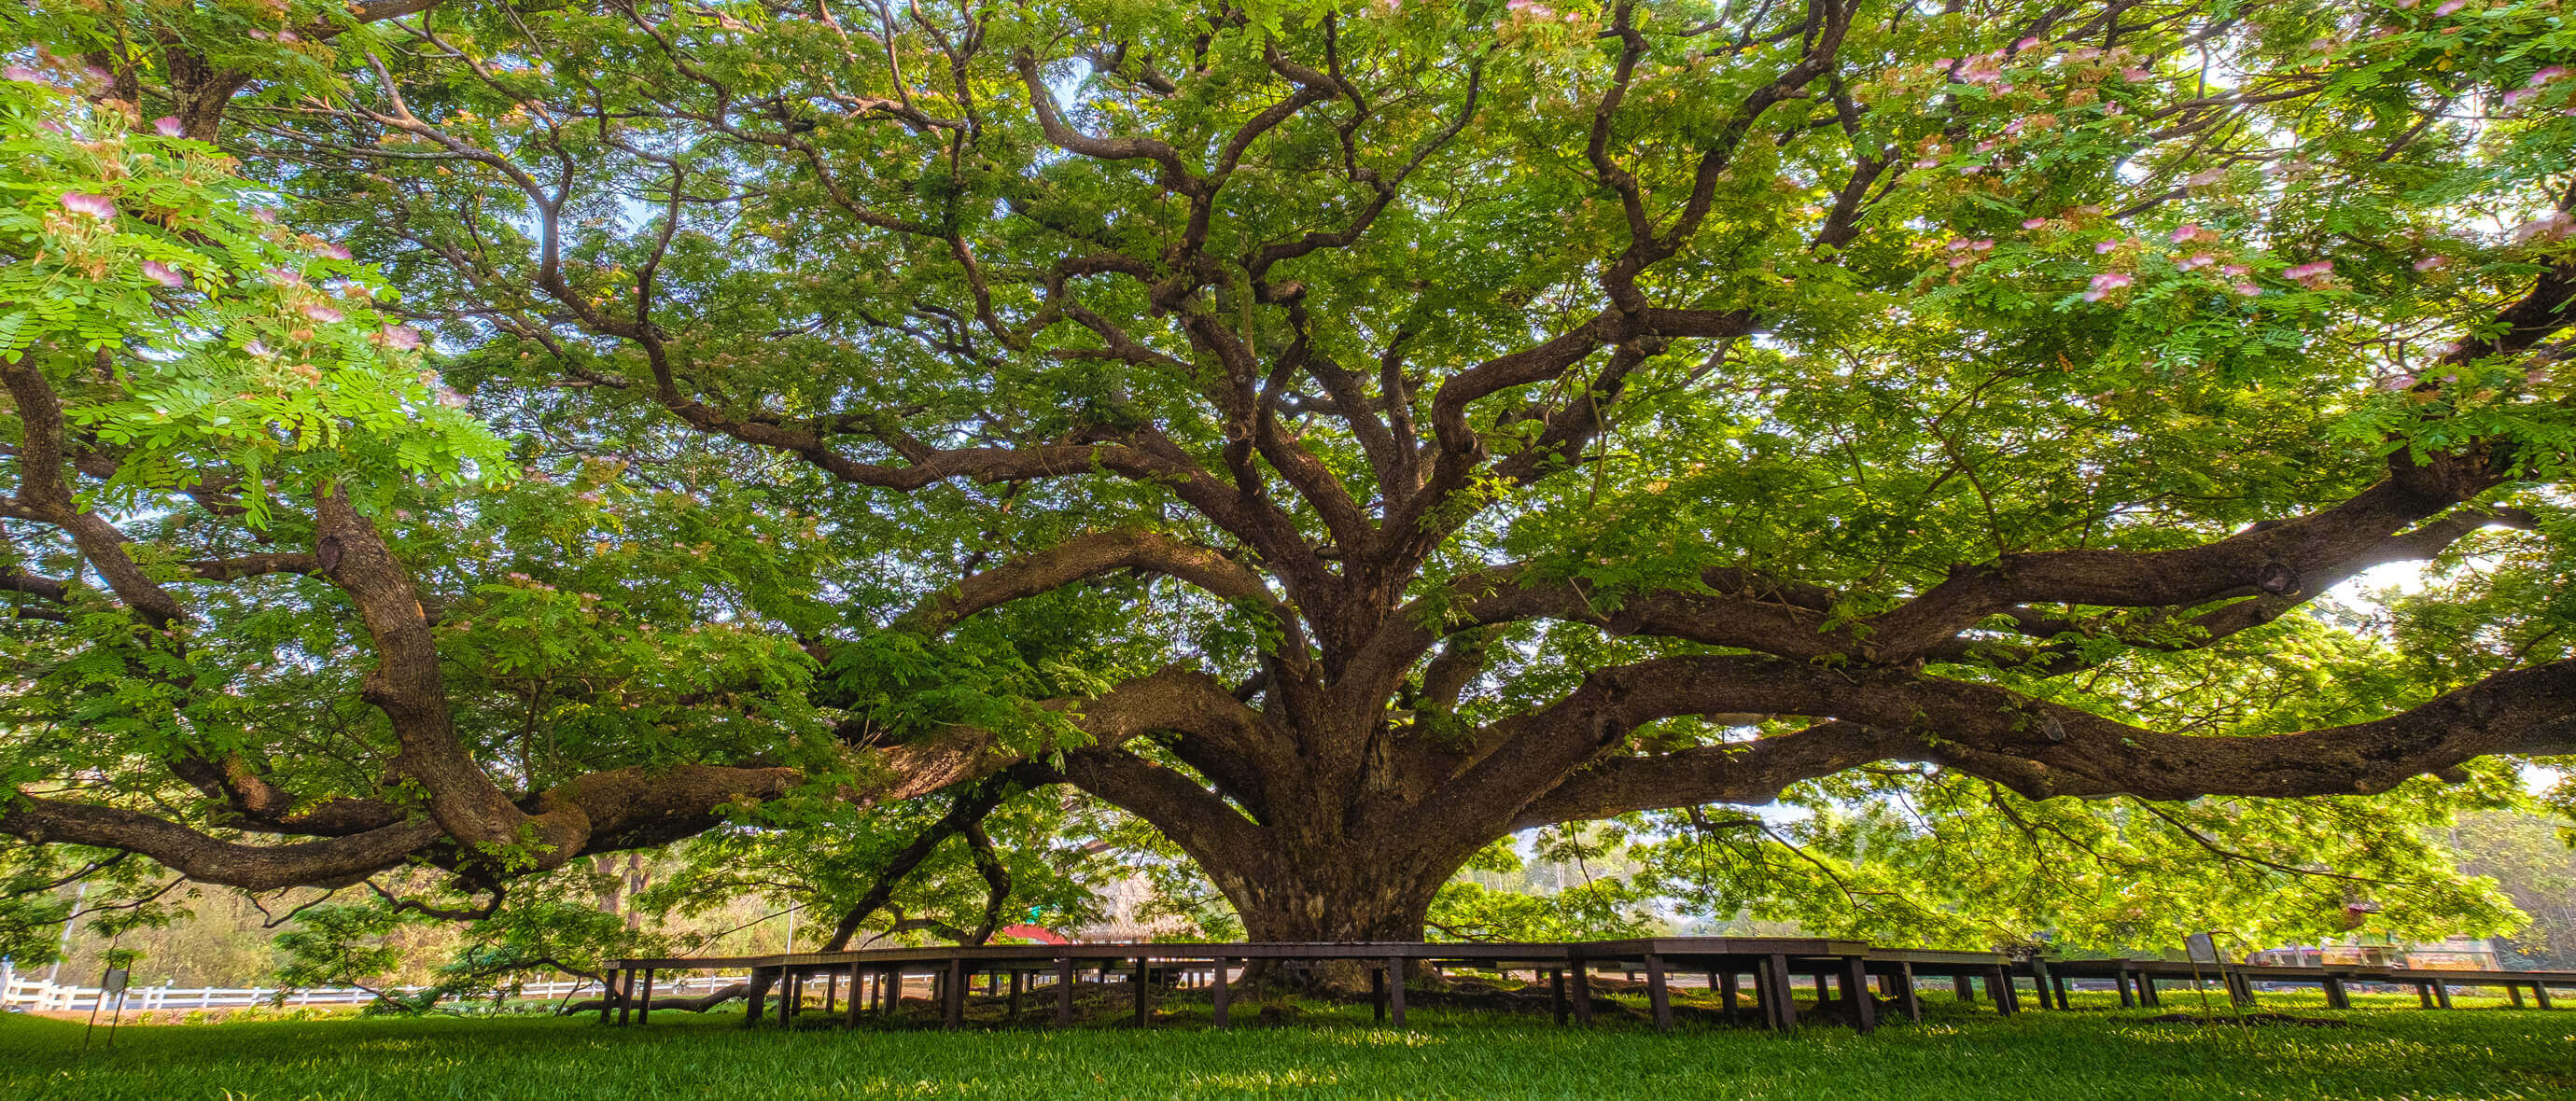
1340 435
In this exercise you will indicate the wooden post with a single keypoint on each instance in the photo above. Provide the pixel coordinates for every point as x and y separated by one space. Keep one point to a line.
1064 991
2120 982
2335 996
1726 991
2424 994
952 988
2441 994
1776 1002
1582 992
890 998
1556 992
2058 984
1395 991
1142 966
1966 986
626 1001
1855 986
1657 998
2511 990
1220 996
1377 995
608 995
857 982
644 1004
1011 1012
754 998
791 996
1905 995
1999 989
2540 993
831 990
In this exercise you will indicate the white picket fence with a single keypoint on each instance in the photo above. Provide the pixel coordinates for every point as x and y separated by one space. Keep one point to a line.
38 996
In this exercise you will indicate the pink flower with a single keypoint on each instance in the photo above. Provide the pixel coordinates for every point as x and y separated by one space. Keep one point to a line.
2515 97
2104 284
1982 245
2234 270
163 274
2399 382
401 338
168 126
2100 247
450 398
322 313
1943 62
2311 274
82 202
22 74
2135 75
2432 263
264 214
2026 44
330 251
2249 290
2197 261
288 36
1928 162
257 348
2546 75
2449 6
285 278
2033 223
1955 244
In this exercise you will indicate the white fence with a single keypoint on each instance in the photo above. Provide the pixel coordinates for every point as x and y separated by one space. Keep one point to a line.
44 997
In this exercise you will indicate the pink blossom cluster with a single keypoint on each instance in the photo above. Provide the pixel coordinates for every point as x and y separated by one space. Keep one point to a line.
96 206
2539 82
2104 284
2313 274
1964 251
1532 9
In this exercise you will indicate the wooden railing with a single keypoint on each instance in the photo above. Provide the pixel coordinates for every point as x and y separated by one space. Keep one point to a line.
36 995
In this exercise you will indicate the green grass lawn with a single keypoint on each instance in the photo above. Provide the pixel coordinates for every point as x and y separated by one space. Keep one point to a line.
2478 1051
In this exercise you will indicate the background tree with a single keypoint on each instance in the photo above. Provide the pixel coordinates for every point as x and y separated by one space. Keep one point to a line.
1344 436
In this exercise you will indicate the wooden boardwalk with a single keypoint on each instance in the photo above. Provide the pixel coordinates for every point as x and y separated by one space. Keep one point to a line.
868 984
873 979
2137 980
